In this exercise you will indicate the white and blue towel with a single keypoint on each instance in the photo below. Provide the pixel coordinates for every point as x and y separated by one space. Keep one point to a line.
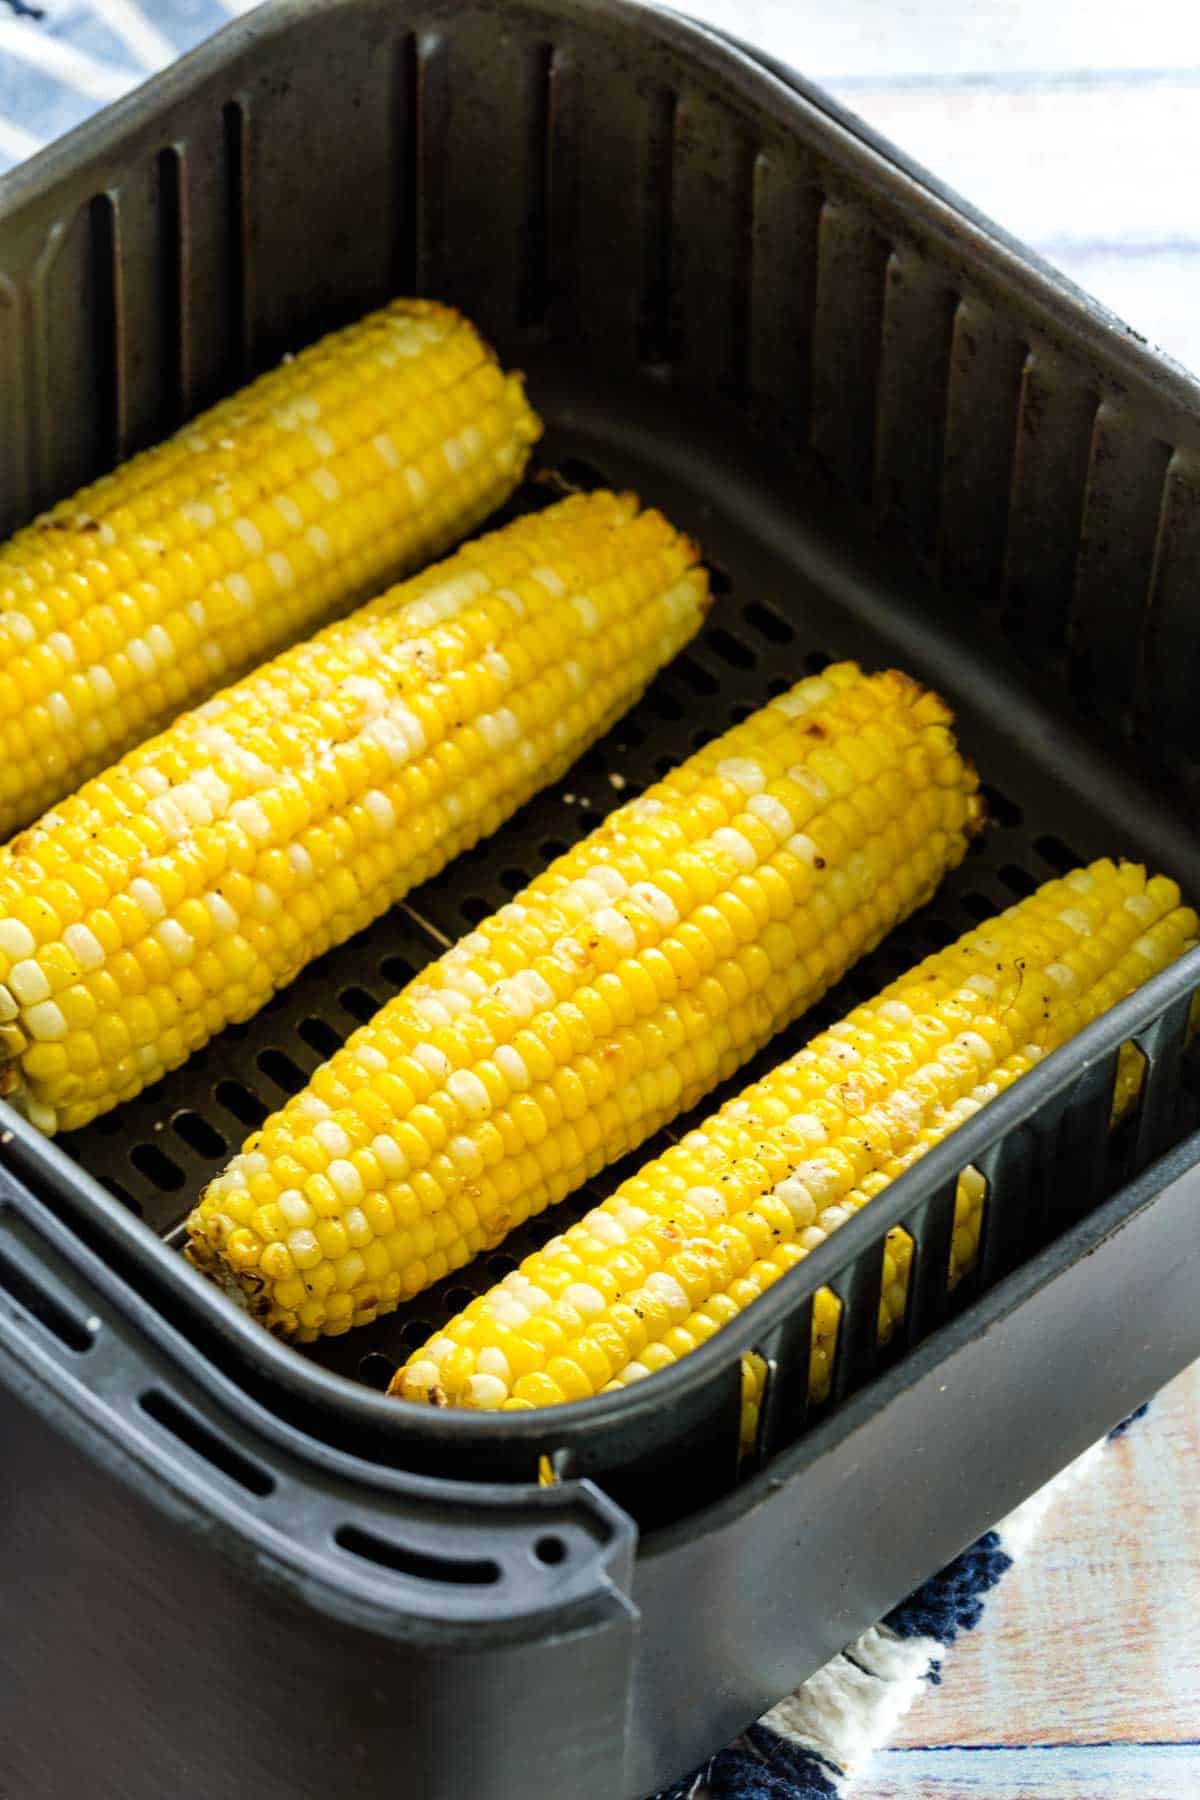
59 61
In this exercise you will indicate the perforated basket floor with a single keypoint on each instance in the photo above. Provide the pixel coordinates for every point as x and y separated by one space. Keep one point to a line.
788 601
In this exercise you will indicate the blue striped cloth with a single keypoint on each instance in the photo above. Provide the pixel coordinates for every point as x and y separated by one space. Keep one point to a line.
59 61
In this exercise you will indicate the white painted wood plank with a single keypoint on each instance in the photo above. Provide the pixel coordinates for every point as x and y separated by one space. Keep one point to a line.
1073 1772
1098 179
1076 127
952 37
15 141
1106 163
132 24
1157 294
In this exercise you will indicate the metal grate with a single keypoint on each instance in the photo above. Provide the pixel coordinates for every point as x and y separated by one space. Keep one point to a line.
156 1153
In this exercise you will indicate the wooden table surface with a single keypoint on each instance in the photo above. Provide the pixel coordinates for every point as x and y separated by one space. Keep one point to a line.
1077 126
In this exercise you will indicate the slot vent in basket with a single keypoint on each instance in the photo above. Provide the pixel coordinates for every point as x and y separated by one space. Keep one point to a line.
279 1067
200 1438
31 1292
200 1135
157 1167
1055 425
172 322
1000 809
785 240
481 1571
655 345
1123 512
851 278
242 1101
533 297
987 363
235 120
108 349
917 336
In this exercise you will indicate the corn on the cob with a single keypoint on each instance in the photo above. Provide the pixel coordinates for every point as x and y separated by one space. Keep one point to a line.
361 458
690 1241
638 971
174 893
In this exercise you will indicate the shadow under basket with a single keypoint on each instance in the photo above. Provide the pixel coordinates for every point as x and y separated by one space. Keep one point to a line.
898 438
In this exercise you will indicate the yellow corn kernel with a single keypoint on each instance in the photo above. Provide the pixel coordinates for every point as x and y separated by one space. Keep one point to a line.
289 811
363 456
554 984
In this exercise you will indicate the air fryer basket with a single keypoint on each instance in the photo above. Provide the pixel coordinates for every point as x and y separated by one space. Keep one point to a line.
898 440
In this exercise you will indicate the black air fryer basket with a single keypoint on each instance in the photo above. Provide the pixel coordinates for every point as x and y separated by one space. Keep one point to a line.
229 1568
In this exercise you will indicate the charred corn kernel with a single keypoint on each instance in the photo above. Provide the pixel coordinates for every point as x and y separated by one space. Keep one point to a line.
205 869
696 1235
361 457
618 988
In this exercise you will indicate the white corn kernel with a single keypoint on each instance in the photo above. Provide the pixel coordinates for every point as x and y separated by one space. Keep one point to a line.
652 899
664 1287
708 1200
585 1299
222 914
28 982
331 1137
608 923
773 814
345 1178
46 1022
295 1209
435 1061
743 773
85 947
486 1391
148 899
175 941
736 846
798 1199
16 940
470 1094
1075 919
390 1157
466 1155
512 1066
422 1377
